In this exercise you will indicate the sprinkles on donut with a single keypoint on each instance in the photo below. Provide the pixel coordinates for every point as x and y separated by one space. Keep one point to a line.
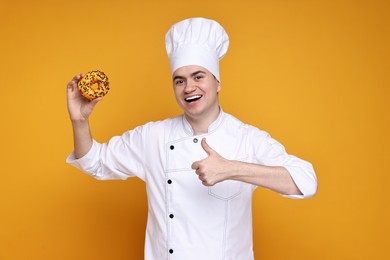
87 88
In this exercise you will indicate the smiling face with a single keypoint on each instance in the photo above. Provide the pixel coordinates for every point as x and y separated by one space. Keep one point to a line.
196 91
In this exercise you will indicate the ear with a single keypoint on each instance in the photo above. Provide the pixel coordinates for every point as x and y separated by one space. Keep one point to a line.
218 86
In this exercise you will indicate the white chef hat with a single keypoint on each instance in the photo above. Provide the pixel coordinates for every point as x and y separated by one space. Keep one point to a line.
196 41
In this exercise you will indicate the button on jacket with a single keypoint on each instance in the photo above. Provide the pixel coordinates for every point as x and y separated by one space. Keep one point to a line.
187 220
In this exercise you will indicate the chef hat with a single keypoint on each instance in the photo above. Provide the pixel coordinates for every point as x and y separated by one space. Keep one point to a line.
196 41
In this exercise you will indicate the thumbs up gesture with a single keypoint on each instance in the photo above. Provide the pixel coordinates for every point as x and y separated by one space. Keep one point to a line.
214 168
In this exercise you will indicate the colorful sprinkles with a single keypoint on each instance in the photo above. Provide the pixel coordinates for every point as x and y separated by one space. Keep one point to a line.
91 78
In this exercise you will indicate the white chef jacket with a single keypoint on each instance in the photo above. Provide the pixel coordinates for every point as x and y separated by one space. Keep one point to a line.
187 220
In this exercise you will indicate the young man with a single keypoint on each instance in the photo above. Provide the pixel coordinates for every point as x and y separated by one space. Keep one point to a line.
200 168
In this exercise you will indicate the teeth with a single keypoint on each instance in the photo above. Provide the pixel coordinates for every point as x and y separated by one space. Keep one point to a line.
193 98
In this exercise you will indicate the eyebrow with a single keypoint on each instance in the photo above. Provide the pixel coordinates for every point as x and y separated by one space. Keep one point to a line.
192 74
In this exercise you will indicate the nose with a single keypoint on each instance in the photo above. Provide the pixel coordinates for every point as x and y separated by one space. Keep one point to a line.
190 87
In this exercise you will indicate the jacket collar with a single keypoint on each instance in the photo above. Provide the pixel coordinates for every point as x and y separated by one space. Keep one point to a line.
212 127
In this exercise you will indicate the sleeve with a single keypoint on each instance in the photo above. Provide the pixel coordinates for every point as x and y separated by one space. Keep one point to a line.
269 152
122 157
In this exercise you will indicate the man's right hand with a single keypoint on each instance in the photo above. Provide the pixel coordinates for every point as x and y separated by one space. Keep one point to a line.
79 107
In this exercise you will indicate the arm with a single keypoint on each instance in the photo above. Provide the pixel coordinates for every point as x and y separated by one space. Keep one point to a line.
80 109
106 161
275 178
215 169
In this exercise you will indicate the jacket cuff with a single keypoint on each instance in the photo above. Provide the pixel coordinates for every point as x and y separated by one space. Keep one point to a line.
305 180
84 163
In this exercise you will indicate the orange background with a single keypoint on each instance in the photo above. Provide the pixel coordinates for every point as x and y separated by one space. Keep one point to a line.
315 74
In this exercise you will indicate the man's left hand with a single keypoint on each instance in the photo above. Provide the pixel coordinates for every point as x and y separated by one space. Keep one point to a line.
214 168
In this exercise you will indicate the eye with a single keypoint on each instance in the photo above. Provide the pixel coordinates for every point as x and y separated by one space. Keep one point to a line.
179 82
198 77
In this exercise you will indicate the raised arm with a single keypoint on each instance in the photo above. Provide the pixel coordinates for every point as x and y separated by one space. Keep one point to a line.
80 109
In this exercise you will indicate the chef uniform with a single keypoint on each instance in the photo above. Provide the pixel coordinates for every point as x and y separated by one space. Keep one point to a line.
187 220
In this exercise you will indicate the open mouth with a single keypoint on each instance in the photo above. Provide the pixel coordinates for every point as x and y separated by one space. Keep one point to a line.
193 98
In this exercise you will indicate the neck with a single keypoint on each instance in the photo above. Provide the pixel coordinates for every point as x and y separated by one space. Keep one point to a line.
200 124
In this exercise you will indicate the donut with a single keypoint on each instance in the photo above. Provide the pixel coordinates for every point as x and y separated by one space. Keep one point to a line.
88 88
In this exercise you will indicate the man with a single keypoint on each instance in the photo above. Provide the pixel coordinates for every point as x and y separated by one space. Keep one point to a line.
200 168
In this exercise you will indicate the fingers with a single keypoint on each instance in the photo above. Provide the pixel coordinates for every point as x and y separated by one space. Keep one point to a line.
195 165
205 181
202 176
73 83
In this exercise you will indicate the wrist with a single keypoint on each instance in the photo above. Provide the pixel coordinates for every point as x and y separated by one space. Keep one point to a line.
233 170
79 123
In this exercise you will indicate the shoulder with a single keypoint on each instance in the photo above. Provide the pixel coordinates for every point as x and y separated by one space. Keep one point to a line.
233 121
252 131
155 129
160 125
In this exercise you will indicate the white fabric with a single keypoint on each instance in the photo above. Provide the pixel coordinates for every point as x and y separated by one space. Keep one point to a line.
208 223
196 41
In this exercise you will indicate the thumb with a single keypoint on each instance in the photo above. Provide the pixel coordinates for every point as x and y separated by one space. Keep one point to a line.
87 108
93 102
206 147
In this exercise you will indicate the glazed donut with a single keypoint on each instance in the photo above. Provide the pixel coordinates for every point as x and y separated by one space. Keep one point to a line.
87 88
